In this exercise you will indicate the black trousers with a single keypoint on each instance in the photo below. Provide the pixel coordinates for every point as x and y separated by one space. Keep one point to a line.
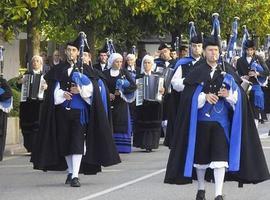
211 143
3 132
70 131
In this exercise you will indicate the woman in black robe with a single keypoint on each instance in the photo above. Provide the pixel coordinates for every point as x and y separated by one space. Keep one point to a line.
30 107
121 87
148 115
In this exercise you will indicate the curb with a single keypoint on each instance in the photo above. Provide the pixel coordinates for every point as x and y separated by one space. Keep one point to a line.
14 149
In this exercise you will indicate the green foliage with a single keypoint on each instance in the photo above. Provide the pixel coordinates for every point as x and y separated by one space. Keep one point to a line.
13 83
128 20
16 103
16 91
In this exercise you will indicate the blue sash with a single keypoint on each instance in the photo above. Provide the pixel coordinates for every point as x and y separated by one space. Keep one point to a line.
103 95
183 61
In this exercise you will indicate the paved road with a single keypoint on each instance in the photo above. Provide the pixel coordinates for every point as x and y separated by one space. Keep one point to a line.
139 177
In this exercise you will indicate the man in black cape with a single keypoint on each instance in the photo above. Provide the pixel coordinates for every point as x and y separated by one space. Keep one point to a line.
182 68
98 148
242 152
252 68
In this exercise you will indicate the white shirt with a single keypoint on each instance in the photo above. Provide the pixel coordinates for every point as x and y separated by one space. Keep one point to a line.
103 65
178 80
231 99
249 59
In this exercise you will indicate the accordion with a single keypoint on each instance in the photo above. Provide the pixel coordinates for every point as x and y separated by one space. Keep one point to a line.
148 89
32 87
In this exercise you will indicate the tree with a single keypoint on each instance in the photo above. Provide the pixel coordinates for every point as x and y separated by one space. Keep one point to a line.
24 15
126 21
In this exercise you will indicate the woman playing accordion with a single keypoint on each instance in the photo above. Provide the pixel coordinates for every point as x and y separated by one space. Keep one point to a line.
148 116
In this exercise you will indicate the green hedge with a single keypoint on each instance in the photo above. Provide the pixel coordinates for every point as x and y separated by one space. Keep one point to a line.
16 97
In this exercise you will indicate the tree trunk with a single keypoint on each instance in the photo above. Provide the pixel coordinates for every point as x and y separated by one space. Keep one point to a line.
33 35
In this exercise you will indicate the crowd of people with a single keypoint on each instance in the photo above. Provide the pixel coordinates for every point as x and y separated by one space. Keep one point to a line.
84 115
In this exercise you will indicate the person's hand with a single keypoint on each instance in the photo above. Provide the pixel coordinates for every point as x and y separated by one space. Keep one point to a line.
252 74
223 92
162 90
21 80
67 95
112 97
246 77
116 93
211 98
74 90
44 86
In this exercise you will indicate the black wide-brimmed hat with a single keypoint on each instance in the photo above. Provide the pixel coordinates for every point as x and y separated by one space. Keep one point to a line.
211 41
250 44
163 45
197 39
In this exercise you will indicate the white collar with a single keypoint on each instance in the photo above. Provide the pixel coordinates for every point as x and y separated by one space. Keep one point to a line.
37 71
149 73
114 72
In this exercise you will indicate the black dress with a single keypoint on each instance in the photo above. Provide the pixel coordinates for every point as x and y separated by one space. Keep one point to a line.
147 125
6 95
29 123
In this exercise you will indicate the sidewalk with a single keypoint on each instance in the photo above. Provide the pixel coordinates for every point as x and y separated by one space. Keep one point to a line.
14 149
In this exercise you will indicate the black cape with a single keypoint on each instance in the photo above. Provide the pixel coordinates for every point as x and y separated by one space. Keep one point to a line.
253 167
100 147
174 103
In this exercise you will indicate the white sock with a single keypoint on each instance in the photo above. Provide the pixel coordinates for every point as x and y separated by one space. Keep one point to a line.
69 163
76 161
219 174
200 176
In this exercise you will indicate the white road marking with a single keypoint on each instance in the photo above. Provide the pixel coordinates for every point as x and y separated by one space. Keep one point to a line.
122 185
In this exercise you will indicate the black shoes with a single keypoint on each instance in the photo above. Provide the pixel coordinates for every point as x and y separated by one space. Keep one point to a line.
200 195
68 180
75 182
219 197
